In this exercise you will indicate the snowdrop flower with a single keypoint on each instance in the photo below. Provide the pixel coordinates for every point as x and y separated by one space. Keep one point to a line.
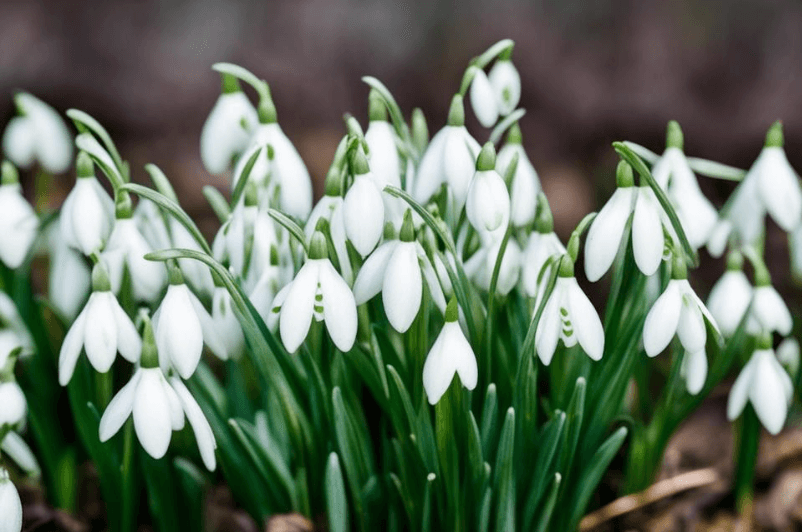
525 184
10 505
694 370
330 208
479 268
38 134
730 297
227 130
769 312
69 276
383 157
568 315
13 324
483 99
363 207
543 244
450 354
765 384
450 158
678 311
227 325
488 204
102 329
236 235
672 172
789 356
281 165
125 251
18 221
397 269
88 211
182 325
506 83
9 342
317 292
13 406
158 407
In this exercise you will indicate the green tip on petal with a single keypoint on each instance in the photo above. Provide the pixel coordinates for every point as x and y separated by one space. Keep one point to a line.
377 111
84 166
452 310
123 208
267 109
544 221
359 163
487 158
407 233
573 246
679 270
230 84
566 266
389 232
318 249
174 274
10 176
623 175
456 113
150 354
514 135
775 137
762 275
735 261
251 194
764 341
420 131
100 278
674 137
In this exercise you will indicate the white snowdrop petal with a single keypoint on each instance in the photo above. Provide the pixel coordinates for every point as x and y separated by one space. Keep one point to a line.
719 235
370 278
459 161
223 135
15 448
179 336
119 409
18 226
695 370
506 84
788 354
548 329
483 99
274 309
71 349
88 216
53 140
298 307
291 173
100 336
152 421
14 406
363 211
739 393
200 426
588 327
128 342
767 395
663 319
461 354
647 232
403 287
429 274
606 232
339 307
691 327
729 299
770 310
385 163
778 186
10 505
174 404
488 202
431 172
785 379
210 333
19 141
437 376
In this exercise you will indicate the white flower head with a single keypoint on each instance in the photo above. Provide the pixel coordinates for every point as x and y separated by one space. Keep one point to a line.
450 354
18 221
330 208
450 158
10 505
228 328
69 275
38 134
317 292
102 329
228 128
769 312
483 99
525 184
542 245
13 406
506 83
788 353
479 268
730 297
363 207
694 371
88 212
398 269
568 316
764 383
488 203
678 311
15 332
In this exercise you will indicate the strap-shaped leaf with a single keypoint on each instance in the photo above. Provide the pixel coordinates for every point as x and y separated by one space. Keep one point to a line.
548 506
218 203
86 123
161 182
242 74
241 180
550 440
293 228
336 502
89 144
505 475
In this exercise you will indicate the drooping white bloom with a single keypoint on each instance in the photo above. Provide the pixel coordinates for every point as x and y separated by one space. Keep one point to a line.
506 83
450 158
398 269
479 267
13 406
158 407
102 329
15 448
385 163
126 250
607 231
730 297
228 128
88 212
69 276
317 292
769 312
363 208
694 370
678 311
16 333
228 328
525 184
450 354
788 353
483 99
38 134
795 249
539 248
488 203
18 221
330 207
568 316
10 505
765 384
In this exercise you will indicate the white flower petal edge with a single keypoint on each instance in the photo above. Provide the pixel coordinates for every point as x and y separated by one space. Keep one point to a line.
152 421
606 232
10 505
200 426
402 289
483 99
663 319
450 354
179 336
765 384
119 408
339 307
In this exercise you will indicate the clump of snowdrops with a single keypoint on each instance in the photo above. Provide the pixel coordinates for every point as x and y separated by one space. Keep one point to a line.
415 350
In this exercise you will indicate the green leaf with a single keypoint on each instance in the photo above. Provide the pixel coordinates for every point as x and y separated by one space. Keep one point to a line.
575 414
162 494
716 170
101 157
475 458
549 442
242 74
336 502
398 389
193 486
483 523
426 520
544 517
84 122
293 228
241 180
489 426
346 440
505 476
161 182
493 52
217 202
